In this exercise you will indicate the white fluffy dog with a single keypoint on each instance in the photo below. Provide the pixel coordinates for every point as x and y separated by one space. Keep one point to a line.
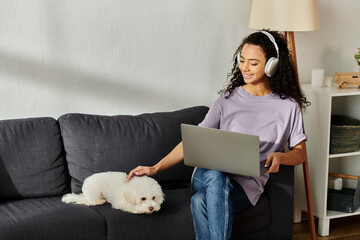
139 195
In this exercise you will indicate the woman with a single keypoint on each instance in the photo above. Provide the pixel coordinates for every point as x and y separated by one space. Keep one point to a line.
262 98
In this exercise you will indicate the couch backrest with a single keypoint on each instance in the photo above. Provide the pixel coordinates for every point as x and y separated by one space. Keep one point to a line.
32 161
96 143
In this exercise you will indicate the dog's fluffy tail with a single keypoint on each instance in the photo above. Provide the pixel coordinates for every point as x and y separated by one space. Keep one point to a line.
75 198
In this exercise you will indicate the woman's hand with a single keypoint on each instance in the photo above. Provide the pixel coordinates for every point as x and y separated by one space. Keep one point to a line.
173 158
141 171
294 157
273 162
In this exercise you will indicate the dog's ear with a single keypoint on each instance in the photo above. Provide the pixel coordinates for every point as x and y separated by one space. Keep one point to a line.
130 197
161 197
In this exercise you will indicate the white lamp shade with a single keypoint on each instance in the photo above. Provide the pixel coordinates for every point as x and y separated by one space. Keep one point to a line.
284 15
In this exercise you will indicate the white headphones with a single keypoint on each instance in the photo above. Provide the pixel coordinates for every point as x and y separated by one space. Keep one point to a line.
271 64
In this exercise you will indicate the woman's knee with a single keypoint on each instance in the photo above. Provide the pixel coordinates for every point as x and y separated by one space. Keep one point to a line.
213 176
209 174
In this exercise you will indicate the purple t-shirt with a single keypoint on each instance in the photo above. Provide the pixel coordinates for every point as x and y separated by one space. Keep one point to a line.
276 121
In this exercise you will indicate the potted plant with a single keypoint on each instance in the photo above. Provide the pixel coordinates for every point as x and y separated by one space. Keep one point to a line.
357 58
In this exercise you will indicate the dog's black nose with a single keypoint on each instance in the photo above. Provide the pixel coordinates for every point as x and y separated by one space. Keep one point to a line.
151 208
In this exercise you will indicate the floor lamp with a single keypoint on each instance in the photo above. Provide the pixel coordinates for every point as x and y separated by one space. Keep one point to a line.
289 16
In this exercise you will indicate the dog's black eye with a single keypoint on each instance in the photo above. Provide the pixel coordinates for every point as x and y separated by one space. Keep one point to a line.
153 198
143 199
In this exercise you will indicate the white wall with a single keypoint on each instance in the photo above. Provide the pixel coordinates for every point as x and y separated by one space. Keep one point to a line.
334 45
131 56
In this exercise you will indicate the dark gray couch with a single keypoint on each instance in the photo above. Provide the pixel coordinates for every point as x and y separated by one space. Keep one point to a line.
42 158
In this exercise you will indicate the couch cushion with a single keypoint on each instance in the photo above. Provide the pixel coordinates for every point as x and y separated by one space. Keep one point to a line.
253 219
32 161
120 143
172 222
49 218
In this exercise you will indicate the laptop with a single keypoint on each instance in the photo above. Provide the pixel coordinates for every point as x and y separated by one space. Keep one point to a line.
225 151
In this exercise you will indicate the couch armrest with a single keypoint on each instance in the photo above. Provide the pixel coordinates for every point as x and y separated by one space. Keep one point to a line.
280 189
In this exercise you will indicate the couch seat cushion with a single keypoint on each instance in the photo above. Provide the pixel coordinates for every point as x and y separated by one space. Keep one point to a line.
173 221
49 218
253 219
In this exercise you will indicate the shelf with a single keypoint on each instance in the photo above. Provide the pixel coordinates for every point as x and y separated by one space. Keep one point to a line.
326 101
333 91
338 155
334 214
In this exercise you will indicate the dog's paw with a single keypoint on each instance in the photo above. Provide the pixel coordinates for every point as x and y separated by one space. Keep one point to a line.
74 198
136 212
99 202
67 198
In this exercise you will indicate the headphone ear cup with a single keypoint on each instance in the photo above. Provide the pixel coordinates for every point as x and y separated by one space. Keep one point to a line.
271 66
238 59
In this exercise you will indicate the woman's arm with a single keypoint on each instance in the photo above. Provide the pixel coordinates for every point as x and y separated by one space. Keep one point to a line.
173 158
294 157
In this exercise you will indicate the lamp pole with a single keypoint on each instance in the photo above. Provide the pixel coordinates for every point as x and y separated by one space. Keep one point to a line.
293 49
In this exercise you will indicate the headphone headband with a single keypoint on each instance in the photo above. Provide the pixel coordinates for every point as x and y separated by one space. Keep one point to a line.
271 64
272 39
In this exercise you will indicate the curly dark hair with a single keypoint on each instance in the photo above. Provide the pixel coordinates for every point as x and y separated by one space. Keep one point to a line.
285 82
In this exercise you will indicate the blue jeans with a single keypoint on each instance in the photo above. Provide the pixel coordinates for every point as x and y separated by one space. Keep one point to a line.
215 201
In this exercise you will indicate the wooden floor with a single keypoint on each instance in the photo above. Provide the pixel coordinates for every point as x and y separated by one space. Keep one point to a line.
340 228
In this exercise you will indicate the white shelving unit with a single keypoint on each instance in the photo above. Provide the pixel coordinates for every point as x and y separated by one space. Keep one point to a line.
325 101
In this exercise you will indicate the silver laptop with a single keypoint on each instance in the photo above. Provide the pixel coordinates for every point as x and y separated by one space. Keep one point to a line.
221 150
